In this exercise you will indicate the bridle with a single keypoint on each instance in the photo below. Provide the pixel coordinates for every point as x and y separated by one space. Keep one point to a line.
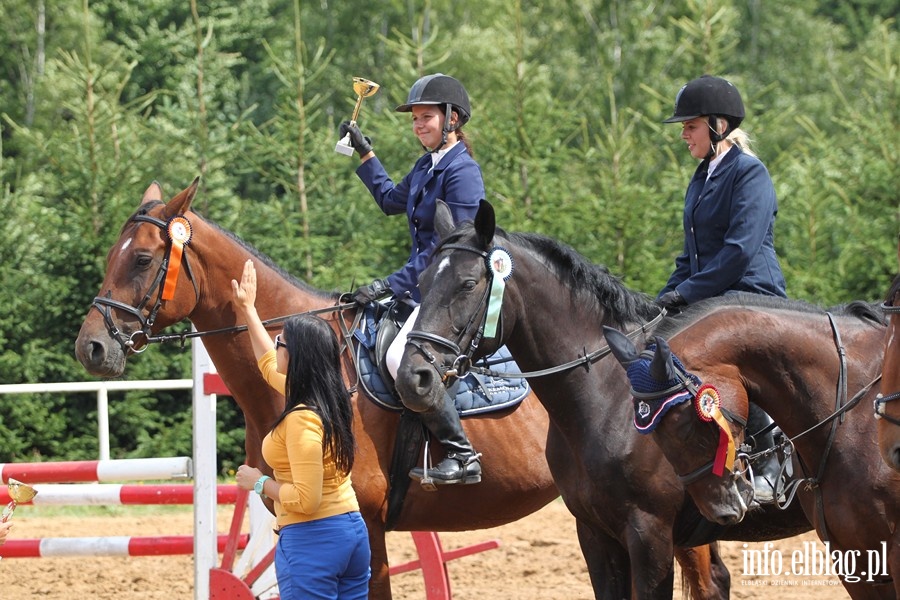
146 318
463 363
105 304
881 400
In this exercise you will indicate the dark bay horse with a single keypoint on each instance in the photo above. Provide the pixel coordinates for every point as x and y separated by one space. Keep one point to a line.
519 483
632 514
887 407
802 365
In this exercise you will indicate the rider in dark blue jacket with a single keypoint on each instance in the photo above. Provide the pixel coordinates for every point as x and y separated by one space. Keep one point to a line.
729 221
455 179
439 106
729 207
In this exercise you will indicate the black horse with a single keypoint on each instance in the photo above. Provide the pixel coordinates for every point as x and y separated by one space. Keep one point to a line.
632 514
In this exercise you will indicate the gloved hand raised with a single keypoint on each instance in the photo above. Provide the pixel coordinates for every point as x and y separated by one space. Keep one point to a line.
373 291
360 143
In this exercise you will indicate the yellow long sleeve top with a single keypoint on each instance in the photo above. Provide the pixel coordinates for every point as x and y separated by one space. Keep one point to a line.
312 487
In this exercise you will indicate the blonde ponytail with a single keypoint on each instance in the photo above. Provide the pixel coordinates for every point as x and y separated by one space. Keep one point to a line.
741 139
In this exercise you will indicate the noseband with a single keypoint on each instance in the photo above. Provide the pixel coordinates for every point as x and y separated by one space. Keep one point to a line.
881 400
463 361
105 304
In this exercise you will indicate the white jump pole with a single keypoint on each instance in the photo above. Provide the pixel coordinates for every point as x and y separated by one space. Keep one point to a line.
204 426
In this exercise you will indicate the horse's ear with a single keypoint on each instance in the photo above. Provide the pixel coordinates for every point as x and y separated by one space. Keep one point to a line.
485 223
152 193
661 367
620 346
181 203
443 220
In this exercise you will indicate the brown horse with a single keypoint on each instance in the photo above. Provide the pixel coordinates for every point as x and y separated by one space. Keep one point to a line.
815 372
129 309
631 512
887 409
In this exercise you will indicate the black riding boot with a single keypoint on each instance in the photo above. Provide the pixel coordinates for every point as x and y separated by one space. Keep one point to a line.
461 464
767 480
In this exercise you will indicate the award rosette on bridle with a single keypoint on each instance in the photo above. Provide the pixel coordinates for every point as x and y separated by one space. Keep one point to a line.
707 402
179 231
500 265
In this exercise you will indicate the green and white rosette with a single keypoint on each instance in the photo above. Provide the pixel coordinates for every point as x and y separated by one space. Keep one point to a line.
500 265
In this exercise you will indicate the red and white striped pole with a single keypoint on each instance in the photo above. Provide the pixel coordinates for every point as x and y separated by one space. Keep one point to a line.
129 469
165 545
101 494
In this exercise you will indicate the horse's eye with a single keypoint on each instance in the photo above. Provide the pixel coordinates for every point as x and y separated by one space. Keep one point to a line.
469 285
143 261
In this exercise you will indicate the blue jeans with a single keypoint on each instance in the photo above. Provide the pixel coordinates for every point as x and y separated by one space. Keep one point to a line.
324 559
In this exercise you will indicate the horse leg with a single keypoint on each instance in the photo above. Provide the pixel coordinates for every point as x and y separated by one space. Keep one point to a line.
380 584
607 562
703 572
650 547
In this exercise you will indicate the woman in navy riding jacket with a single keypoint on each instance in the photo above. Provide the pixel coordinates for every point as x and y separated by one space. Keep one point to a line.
729 221
439 106
730 205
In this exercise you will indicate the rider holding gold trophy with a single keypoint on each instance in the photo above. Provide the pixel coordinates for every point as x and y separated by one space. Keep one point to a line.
439 106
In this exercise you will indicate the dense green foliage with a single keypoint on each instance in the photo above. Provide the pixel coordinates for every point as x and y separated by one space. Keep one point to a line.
99 98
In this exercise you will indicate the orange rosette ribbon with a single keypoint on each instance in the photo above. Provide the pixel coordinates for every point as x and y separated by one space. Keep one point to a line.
179 231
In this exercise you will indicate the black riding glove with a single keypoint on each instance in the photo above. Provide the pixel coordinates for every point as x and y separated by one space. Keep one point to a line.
671 300
360 143
373 291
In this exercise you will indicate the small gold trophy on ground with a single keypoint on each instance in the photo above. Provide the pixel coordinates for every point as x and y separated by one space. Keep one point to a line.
19 493
363 88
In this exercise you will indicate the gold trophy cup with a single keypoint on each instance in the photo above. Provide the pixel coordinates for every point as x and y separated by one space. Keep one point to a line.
19 493
363 88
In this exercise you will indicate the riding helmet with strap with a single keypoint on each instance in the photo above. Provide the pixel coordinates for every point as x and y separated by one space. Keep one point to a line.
439 89
713 97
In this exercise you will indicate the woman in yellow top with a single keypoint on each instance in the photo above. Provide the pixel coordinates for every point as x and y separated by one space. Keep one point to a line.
323 546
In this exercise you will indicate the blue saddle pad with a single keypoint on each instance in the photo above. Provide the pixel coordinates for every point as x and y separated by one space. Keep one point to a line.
476 394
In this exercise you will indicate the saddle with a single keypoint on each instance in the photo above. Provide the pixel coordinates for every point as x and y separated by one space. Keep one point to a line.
473 394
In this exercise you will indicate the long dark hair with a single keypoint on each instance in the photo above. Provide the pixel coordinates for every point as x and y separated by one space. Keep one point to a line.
314 382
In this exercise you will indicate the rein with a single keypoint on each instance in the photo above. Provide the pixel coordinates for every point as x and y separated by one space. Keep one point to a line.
586 360
105 305
463 363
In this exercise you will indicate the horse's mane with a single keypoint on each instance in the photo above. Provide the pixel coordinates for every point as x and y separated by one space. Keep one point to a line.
858 309
588 281
298 283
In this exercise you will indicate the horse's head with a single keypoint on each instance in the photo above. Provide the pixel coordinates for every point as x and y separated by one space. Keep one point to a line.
148 284
460 312
887 405
695 434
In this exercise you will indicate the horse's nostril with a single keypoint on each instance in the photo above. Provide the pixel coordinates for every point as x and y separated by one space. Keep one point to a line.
424 379
91 352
